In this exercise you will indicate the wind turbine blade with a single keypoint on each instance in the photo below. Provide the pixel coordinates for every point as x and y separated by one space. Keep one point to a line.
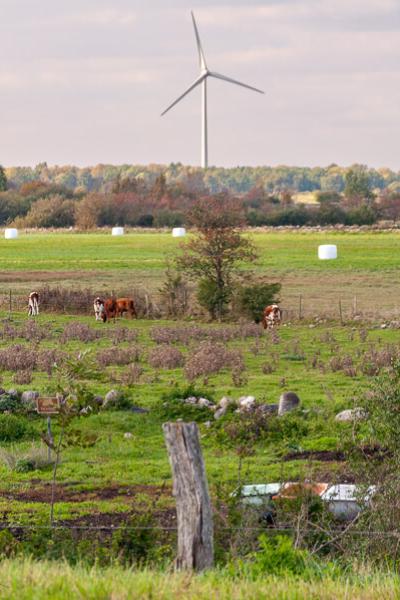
224 78
185 93
202 60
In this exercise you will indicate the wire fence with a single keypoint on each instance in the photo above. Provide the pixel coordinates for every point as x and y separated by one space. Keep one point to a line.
343 308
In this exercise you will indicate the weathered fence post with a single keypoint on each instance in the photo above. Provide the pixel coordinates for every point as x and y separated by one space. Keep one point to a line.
193 506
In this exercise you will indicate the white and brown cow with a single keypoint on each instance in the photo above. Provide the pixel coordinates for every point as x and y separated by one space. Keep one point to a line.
33 304
99 310
272 316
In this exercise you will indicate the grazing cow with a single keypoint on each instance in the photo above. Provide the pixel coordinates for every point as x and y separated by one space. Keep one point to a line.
117 307
33 304
272 316
99 310
126 305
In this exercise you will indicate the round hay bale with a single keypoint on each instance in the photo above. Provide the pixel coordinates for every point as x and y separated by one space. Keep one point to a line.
287 402
327 251
117 231
11 234
178 232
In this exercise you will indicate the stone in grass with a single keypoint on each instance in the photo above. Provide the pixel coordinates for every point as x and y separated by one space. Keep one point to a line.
288 402
128 435
268 409
13 393
247 403
351 414
28 399
139 410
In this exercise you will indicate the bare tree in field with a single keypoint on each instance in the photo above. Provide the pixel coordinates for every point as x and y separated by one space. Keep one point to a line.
215 254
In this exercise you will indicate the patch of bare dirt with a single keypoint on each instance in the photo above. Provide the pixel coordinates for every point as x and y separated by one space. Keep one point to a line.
67 493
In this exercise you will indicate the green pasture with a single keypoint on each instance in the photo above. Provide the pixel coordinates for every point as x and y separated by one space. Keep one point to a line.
367 266
280 252
301 358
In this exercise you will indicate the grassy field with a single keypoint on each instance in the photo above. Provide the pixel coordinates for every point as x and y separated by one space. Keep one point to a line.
30 581
367 262
135 470
115 478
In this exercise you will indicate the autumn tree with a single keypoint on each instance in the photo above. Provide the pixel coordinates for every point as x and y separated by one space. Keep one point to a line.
215 254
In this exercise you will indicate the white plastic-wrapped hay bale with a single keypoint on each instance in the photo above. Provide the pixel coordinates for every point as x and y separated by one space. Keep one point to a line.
11 234
327 252
117 231
178 232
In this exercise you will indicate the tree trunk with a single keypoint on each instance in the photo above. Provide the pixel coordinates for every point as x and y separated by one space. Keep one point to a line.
193 506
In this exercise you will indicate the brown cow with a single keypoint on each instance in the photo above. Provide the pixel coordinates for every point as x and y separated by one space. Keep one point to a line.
117 307
272 316
126 305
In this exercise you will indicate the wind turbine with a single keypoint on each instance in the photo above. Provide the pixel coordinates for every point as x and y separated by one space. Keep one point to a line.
202 80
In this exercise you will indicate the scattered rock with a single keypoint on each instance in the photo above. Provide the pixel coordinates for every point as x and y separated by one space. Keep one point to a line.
128 435
13 393
268 409
99 400
247 403
287 402
220 412
139 409
351 414
28 399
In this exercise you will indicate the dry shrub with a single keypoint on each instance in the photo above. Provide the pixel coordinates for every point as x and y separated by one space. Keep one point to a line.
210 358
132 374
118 356
374 359
9 332
32 332
165 357
48 359
18 358
184 335
79 331
341 363
23 377
122 334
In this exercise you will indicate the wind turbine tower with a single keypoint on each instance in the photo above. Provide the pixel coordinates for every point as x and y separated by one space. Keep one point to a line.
205 73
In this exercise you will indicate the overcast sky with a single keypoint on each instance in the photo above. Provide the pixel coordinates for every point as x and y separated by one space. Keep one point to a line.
85 81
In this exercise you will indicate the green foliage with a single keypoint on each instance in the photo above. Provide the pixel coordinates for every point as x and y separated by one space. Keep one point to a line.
171 406
252 299
278 556
357 183
211 297
135 544
9 403
14 428
3 179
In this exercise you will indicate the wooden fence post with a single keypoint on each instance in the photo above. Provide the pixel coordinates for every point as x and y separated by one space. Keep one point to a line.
340 312
193 506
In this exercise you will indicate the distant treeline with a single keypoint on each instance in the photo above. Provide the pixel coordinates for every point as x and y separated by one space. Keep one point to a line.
238 180
160 197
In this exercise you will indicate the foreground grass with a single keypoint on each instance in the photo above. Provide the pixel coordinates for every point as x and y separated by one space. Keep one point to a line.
27 580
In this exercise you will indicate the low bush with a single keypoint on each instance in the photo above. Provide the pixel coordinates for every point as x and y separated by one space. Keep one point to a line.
118 356
165 357
14 428
23 461
210 358
17 358
78 331
250 300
